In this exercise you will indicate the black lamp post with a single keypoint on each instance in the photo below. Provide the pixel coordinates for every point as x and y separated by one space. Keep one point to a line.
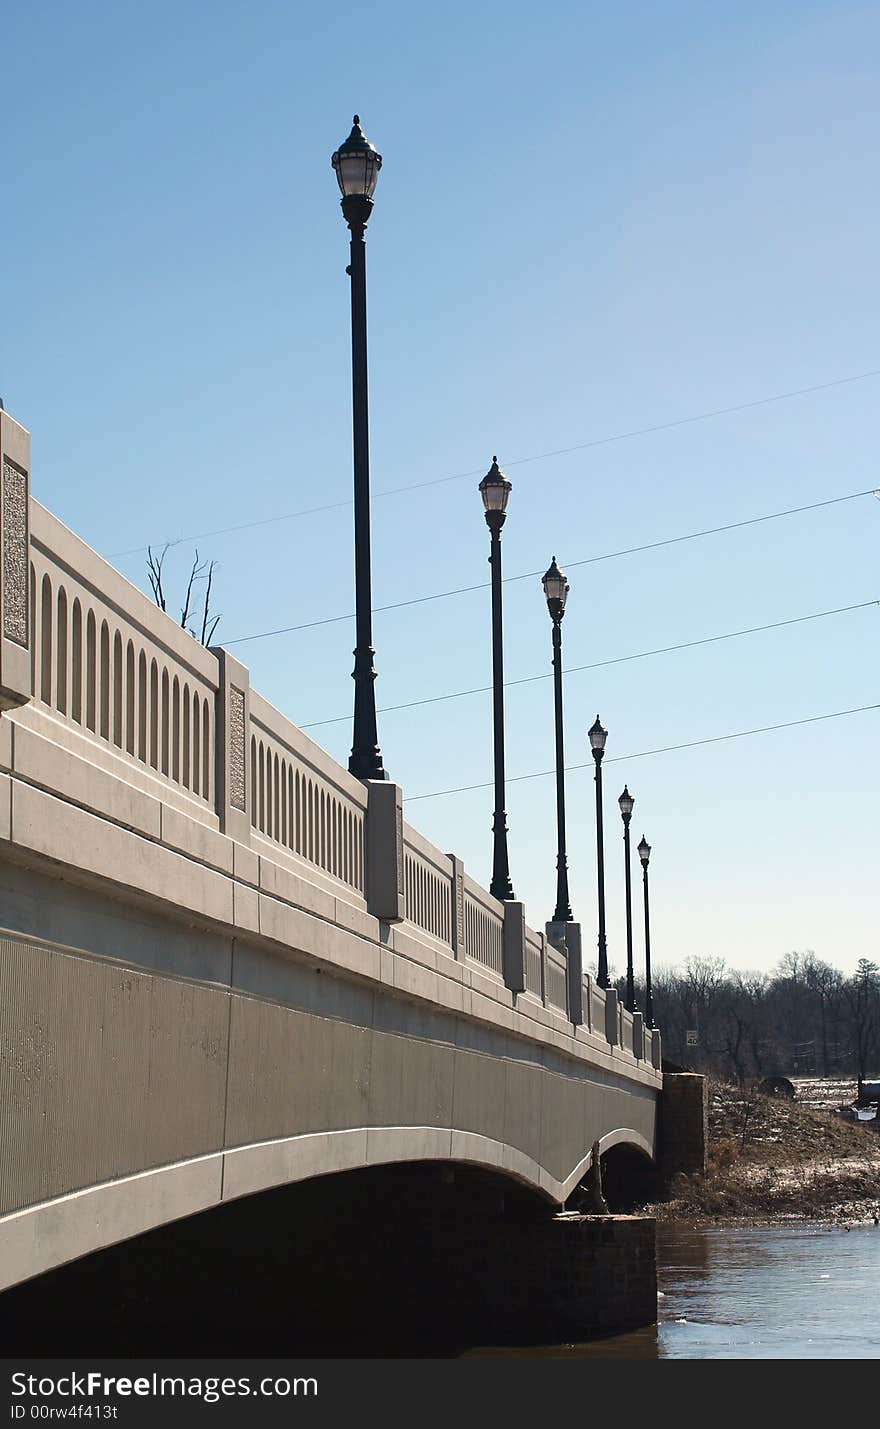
598 736
357 166
556 590
644 850
495 490
626 802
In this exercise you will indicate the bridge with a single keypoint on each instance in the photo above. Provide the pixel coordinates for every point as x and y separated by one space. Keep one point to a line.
229 966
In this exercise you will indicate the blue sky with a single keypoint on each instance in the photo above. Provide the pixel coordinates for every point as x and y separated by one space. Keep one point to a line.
590 219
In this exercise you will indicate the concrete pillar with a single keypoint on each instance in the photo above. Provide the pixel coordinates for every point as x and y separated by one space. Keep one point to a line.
16 635
383 850
683 1124
656 1050
233 721
458 934
565 1278
638 1036
514 946
574 973
612 1020
568 937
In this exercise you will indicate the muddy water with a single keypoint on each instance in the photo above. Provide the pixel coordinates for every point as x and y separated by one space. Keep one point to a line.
782 1292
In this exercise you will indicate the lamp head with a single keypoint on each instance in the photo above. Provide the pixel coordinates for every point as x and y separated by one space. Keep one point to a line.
556 590
357 163
495 490
597 737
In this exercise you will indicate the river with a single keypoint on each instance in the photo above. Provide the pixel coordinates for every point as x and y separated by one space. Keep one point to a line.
780 1292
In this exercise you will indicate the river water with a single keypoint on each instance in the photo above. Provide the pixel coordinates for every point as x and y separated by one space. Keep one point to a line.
781 1292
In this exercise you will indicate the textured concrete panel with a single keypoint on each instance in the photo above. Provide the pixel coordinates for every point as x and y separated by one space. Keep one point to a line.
522 1108
411 1082
291 1072
92 1061
561 1144
480 1083
189 1029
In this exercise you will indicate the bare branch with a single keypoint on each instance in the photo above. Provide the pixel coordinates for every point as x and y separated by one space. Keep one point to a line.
197 573
200 571
154 571
207 606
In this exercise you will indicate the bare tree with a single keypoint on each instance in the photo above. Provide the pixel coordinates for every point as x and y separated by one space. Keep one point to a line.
862 993
205 624
154 572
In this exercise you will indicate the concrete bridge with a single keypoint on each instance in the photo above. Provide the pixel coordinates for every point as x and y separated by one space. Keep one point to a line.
226 965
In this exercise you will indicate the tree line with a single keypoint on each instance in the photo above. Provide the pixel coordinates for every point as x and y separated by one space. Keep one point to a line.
806 1018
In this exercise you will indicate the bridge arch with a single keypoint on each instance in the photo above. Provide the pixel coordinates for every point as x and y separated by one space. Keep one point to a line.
55 1232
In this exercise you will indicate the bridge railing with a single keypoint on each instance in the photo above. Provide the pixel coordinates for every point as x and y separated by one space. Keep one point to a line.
302 800
626 1028
114 668
124 682
483 926
428 886
597 1002
535 953
556 984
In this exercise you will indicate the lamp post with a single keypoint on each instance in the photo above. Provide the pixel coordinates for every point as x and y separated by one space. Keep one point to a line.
626 802
357 166
644 851
597 737
556 590
495 490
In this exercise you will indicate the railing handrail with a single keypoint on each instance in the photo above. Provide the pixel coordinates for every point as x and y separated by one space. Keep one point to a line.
483 897
417 842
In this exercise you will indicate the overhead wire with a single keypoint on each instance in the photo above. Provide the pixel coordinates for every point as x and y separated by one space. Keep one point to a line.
516 461
647 753
570 565
599 664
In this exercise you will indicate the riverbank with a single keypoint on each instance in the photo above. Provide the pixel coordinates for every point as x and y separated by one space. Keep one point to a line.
771 1159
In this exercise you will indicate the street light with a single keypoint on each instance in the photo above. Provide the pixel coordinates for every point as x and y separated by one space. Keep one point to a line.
495 490
597 737
556 590
644 851
626 802
357 166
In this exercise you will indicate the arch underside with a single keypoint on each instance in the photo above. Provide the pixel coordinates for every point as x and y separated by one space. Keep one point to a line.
52 1233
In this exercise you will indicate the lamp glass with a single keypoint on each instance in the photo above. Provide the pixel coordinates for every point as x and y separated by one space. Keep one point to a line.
555 584
644 850
357 172
626 802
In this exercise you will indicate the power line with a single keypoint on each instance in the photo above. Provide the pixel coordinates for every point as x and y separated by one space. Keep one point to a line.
518 461
570 565
646 753
599 664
